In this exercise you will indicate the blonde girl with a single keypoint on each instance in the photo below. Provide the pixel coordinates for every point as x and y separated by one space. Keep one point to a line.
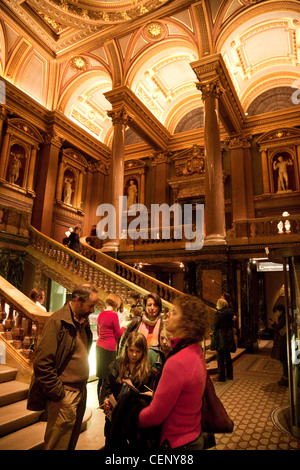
131 370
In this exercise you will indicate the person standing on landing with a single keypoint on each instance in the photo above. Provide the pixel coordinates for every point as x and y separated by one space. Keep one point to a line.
61 369
223 340
279 349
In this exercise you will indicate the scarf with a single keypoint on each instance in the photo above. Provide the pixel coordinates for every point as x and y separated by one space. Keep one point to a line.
152 338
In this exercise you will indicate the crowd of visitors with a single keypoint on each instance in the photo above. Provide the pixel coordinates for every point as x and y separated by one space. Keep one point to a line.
150 366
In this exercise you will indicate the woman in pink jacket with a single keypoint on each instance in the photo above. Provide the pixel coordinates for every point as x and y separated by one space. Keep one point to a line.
177 400
109 331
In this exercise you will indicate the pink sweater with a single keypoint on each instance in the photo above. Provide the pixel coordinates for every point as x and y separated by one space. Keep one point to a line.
177 401
108 329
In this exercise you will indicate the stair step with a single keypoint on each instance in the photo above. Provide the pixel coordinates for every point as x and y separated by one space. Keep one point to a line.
29 438
12 391
15 416
7 373
32 437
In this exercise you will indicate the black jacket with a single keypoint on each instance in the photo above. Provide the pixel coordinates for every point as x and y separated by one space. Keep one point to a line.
279 349
124 432
222 338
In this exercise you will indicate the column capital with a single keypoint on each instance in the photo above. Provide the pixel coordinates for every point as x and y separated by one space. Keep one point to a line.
119 116
211 88
53 138
240 141
160 157
214 79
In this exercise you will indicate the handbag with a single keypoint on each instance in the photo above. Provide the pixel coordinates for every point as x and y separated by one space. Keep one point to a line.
214 416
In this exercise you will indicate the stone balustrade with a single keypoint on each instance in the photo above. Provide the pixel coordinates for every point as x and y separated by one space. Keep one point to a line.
106 273
21 320
277 229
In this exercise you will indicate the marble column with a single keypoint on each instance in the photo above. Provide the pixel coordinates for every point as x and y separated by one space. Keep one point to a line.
265 170
160 175
79 190
32 168
60 181
46 183
214 209
4 155
116 173
241 178
3 114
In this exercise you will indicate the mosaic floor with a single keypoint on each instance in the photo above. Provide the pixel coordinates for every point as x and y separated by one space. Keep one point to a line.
253 400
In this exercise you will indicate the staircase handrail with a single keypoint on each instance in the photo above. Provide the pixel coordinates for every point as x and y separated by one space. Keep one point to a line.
17 308
99 274
130 273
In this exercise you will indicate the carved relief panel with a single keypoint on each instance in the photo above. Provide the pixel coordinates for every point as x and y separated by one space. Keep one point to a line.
189 170
280 157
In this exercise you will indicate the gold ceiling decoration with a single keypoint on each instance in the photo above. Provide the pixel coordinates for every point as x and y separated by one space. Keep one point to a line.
154 31
110 11
79 63
55 25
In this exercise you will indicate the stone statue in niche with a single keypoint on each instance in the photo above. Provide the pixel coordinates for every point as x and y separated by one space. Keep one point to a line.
281 162
16 165
131 194
68 190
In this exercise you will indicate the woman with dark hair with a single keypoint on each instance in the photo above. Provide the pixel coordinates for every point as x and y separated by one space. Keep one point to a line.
177 401
148 324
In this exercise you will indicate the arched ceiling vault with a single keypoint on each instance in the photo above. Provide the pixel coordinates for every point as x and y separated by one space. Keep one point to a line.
67 54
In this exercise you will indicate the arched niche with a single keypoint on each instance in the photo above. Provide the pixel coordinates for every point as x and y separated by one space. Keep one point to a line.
69 186
135 171
18 155
280 159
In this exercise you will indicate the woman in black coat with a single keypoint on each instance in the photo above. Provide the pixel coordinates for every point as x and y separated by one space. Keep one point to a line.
223 340
279 350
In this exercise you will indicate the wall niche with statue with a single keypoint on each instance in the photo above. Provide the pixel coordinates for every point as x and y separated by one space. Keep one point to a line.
71 172
18 156
280 160
283 166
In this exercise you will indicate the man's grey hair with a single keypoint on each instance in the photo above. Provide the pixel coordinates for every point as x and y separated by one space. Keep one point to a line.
83 292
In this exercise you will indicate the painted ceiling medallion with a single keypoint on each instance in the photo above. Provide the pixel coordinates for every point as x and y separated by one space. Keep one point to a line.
79 63
107 11
154 31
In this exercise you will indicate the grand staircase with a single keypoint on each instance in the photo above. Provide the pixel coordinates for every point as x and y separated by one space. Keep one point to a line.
21 429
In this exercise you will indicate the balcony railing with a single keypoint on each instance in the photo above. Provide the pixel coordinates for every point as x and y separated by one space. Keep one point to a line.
278 229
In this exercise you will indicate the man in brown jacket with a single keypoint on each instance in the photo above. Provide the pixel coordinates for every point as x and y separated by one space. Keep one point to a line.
61 369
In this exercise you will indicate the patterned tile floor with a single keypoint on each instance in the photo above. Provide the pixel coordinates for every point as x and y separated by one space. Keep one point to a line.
253 399
255 402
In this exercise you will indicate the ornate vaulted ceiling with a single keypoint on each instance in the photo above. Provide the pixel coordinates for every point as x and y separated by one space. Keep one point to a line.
67 54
